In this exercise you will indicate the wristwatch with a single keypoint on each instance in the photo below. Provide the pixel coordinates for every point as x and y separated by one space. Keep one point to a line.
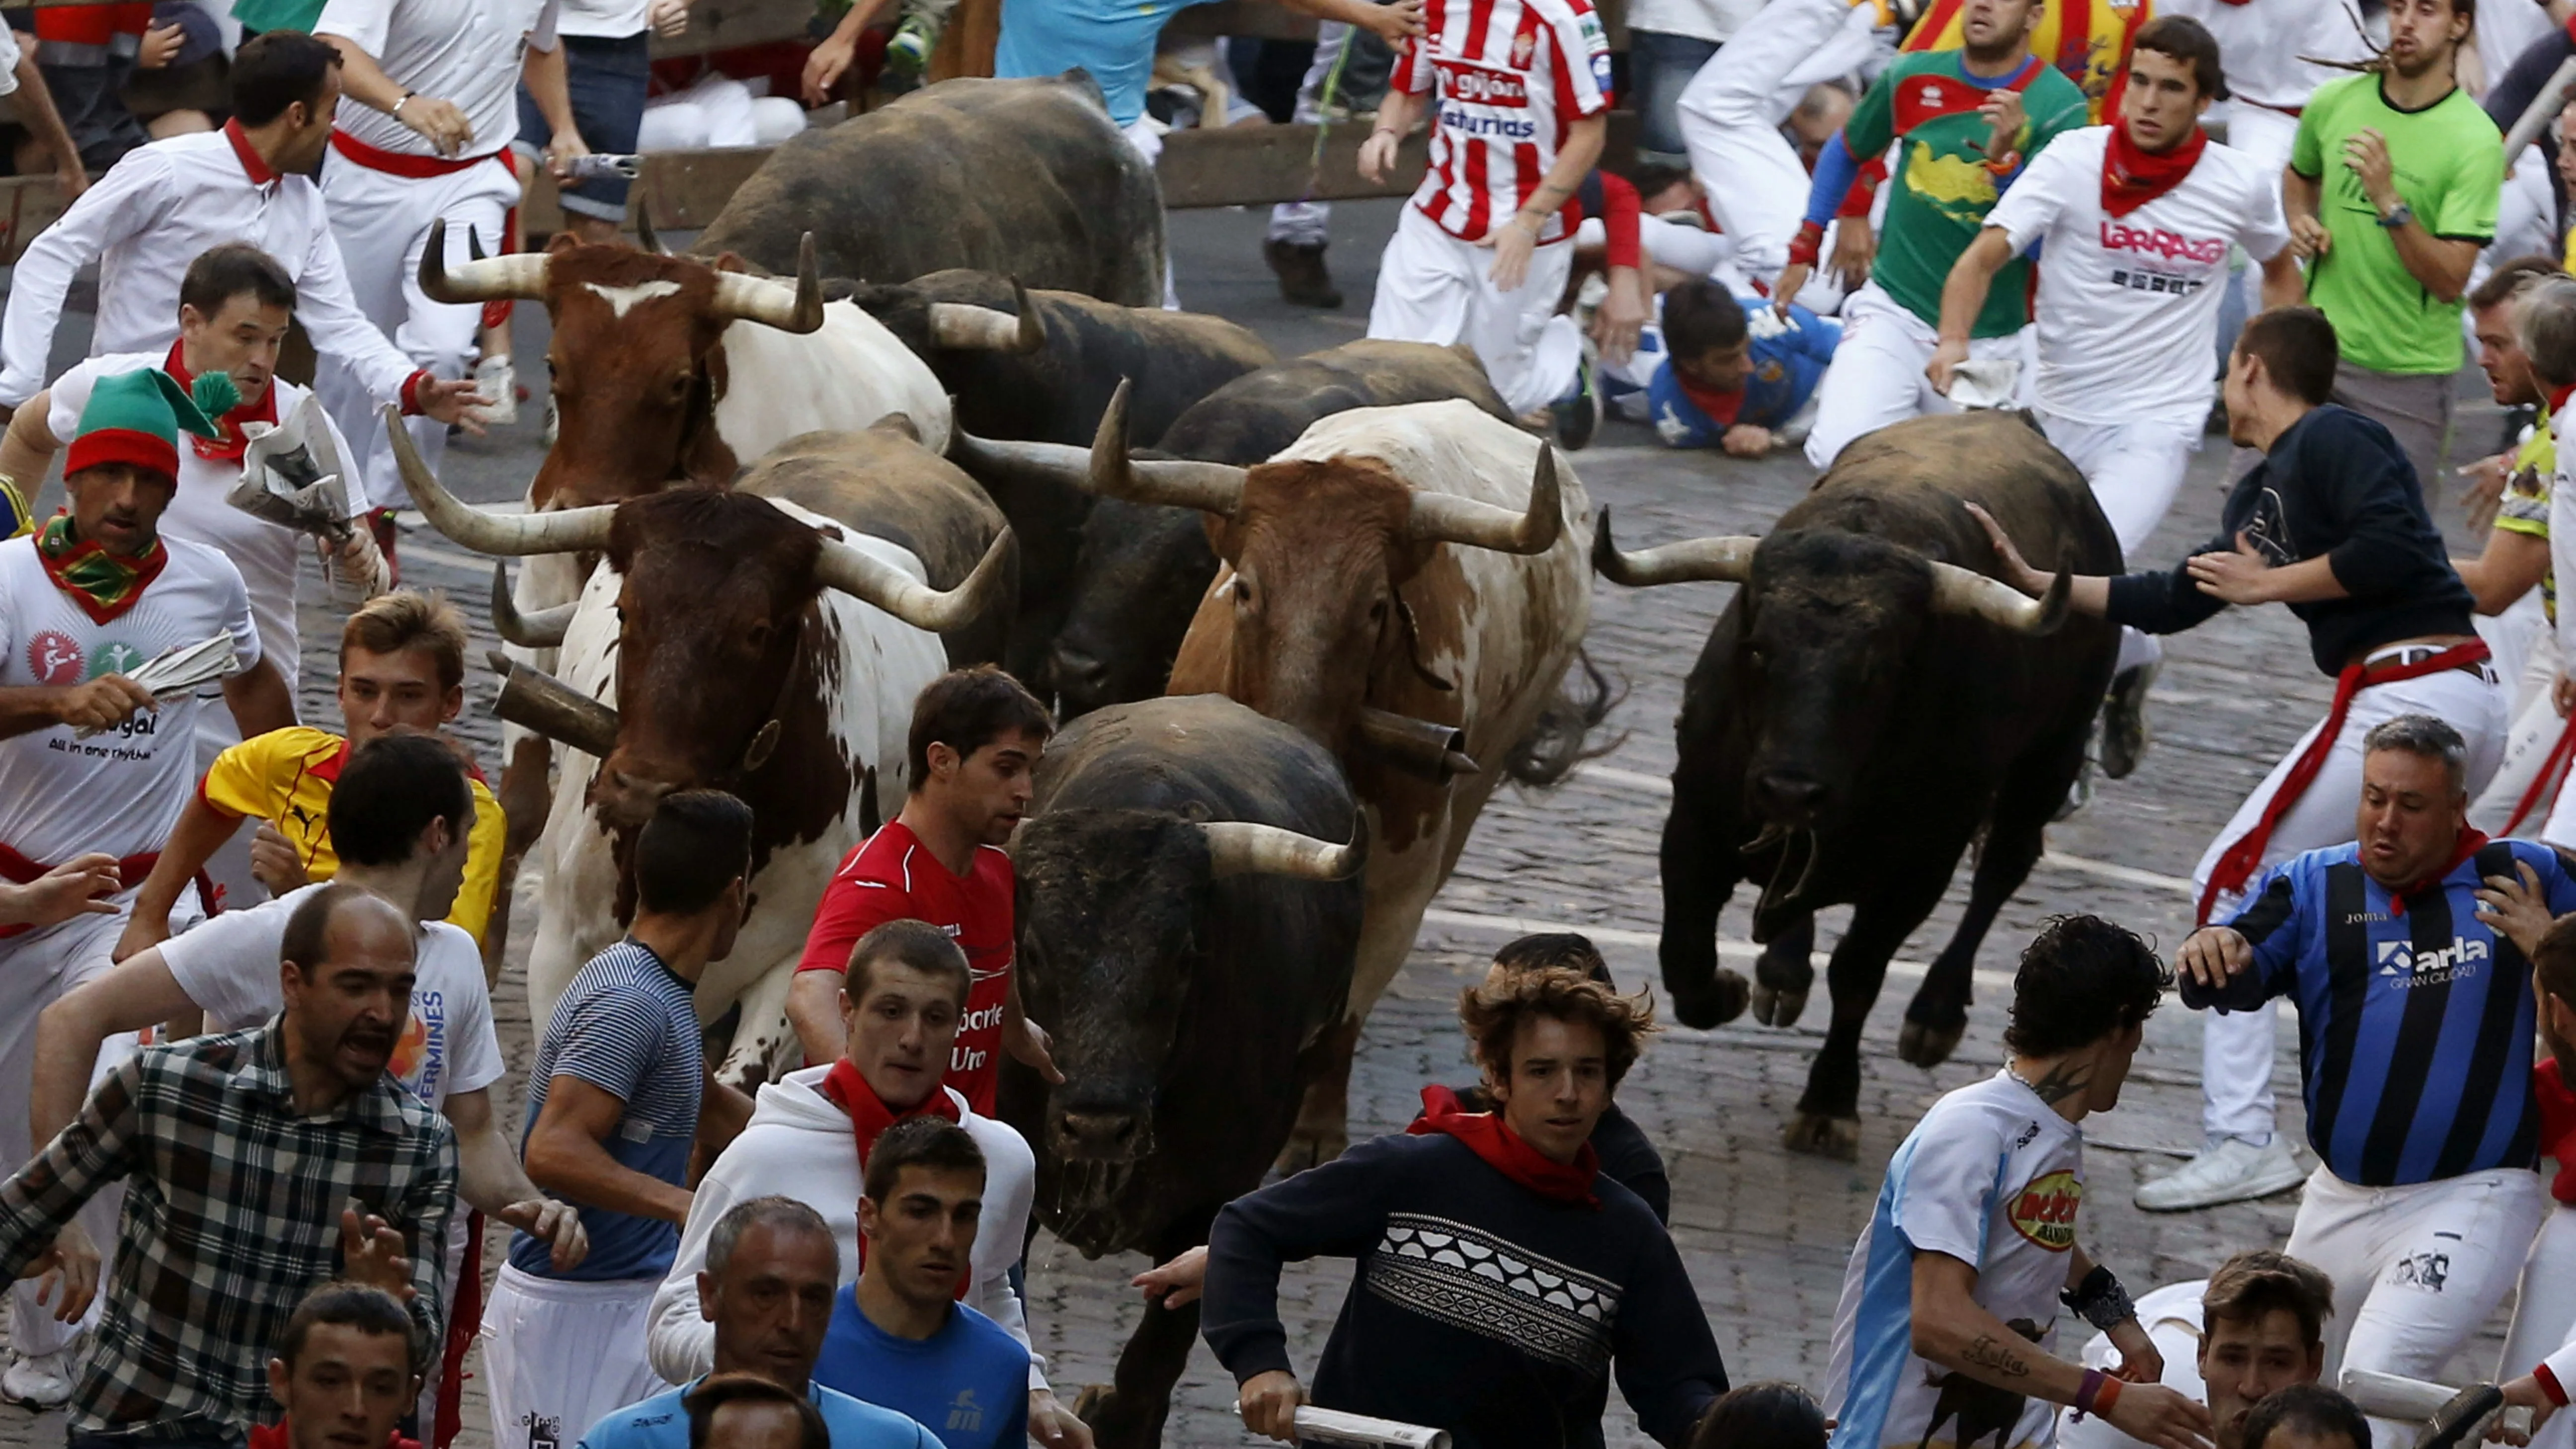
2397 216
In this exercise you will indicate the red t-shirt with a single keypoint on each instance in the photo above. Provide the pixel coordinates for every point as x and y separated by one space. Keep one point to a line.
892 876
2557 1125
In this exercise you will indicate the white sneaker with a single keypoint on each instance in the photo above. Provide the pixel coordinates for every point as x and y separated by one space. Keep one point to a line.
2228 1170
39 1381
499 384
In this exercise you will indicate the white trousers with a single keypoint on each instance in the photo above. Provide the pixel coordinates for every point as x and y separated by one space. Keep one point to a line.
1432 287
36 970
2416 1269
382 225
2134 470
1730 117
1877 372
2236 1047
2535 732
2544 1315
2263 136
558 1357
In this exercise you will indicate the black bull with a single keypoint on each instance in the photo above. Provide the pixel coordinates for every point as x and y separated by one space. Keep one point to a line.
1870 700
1029 178
1141 568
1187 981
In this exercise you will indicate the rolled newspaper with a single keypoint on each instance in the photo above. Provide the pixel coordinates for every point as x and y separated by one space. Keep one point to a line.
180 669
2414 1401
2543 109
1339 1428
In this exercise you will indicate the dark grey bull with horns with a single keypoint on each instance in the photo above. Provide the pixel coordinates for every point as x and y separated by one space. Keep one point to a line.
1872 699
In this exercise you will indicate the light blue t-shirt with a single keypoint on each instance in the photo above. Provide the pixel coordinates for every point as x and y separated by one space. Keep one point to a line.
628 1027
969 1382
1112 39
661 1423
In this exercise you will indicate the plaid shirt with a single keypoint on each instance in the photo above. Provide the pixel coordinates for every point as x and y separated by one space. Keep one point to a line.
232 1211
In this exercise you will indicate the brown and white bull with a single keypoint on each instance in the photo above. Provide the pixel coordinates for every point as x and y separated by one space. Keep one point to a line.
1407 586
675 369
820 635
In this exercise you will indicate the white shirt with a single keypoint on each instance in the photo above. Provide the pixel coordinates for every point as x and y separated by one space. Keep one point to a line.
1991 1176
615 19
120 790
1716 20
228 967
155 211
2267 48
463 51
2171 1315
9 54
2128 306
264 552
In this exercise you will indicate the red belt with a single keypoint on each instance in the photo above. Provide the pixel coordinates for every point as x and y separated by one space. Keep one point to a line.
130 873
420 168
2241 859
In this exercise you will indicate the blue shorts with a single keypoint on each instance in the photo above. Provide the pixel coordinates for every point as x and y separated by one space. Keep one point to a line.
607 76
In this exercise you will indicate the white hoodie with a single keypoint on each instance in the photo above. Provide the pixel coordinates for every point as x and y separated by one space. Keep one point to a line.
799 1145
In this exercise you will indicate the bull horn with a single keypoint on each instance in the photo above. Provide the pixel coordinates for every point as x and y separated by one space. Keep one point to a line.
763 300
1965 591
563 530
1701 560
871 580
968 328
1207 487
543 629
1062 462
1240 847
1422 747
520 276
644 233
1448 518
537 701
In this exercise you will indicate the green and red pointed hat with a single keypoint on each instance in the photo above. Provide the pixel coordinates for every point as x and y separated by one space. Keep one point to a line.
135 417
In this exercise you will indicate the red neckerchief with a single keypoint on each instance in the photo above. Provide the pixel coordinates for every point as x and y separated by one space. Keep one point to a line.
2472 840
103 584
870 1117
1503 1150
236 438
1721 407
274 1436
2131 177
2558 398
2557 1124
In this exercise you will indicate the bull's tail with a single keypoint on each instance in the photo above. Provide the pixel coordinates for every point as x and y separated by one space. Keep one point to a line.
1559 740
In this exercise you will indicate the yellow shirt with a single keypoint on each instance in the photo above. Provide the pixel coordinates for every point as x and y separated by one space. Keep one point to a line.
285 778
2093 51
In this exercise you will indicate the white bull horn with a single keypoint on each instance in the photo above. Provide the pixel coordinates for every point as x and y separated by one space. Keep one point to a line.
1240 847
1700 560
968 328
564 530
871 580
1965 591
520 276
764 300
543 629
1062 462
1207 487
1448 518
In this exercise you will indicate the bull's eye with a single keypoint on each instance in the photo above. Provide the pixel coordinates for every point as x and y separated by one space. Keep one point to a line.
1243 593
678 388
1756 655
757 636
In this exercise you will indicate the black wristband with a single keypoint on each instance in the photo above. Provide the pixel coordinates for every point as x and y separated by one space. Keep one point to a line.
2099 1300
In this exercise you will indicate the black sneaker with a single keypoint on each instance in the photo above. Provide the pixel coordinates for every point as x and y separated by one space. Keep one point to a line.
2124 721
1303 279
1578 414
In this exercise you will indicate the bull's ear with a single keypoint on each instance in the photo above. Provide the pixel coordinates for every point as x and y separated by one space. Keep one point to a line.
1222 536
732 262
563 241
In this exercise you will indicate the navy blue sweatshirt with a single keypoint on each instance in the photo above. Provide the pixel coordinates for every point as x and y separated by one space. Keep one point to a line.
2334 484
1478 1307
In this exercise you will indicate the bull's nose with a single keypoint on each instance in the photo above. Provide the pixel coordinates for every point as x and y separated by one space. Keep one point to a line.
1102 1136
1791 793
1077 668
629 799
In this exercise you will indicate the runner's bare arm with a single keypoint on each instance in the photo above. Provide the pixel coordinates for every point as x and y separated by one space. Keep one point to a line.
1952 1329
28 448
2284 285
201 831
260 700
134 994
1963 295
490 1179
102 703
564 1156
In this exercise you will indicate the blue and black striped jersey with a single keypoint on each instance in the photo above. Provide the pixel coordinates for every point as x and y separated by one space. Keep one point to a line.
2415 1019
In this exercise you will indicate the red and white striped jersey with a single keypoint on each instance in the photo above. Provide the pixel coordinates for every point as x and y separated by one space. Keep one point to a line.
1510 76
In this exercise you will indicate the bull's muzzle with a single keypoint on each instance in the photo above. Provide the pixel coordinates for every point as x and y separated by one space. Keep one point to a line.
1101 1135
537 701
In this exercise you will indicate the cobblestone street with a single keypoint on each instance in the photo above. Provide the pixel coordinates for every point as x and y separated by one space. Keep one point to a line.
1765 1233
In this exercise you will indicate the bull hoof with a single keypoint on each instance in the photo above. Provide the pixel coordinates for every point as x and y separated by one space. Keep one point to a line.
1821 1136
1714 1004
1777 1008
1309 1149
1920 1045
1086 1405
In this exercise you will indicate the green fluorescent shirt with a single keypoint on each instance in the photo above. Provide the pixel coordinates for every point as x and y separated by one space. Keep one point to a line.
1925 106
2449 164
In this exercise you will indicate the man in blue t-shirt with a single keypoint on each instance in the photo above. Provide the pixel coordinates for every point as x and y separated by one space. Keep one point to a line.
1735 373
899 1337
767 1287
617 1102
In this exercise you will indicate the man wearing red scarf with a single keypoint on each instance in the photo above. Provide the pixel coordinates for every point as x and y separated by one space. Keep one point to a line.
1502 1277
2333 524
343 1373
904 995
2134 221
234 307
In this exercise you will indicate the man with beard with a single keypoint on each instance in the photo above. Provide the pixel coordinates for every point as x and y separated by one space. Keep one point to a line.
2419 1015
2391 193
284 1124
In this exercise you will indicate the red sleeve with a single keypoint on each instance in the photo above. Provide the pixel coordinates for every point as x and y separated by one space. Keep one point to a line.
1620 206
850 908
1856 202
